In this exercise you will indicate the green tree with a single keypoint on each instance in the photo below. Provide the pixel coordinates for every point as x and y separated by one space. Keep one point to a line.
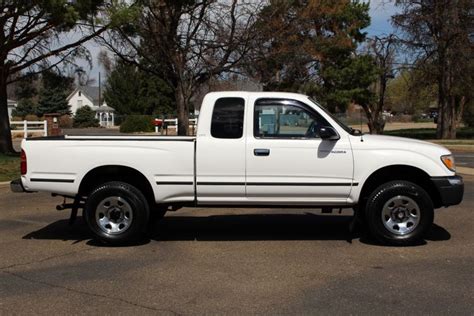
53 94
25 92
52 101
310 47
32 37
25 107
85 117
410 93
129 90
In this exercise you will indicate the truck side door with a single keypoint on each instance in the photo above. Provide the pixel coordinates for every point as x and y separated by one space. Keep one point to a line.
220 151
287 161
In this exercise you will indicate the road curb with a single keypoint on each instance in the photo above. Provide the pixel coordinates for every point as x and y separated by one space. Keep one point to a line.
4 183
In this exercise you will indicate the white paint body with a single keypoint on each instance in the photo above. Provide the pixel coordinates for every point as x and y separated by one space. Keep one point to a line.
340 168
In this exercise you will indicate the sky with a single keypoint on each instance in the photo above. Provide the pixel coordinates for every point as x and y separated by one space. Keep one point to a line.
380 13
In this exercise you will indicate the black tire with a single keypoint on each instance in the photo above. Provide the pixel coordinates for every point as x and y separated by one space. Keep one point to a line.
392 207
126 202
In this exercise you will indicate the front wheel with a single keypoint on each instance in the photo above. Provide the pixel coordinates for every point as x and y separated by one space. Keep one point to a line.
399 213
116 213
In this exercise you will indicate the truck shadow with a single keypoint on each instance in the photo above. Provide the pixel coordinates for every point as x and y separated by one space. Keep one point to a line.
252 227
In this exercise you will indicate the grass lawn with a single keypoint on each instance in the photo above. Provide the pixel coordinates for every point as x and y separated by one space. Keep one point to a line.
9 168
430 133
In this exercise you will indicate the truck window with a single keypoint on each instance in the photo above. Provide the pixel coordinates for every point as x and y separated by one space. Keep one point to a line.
285 119
228 118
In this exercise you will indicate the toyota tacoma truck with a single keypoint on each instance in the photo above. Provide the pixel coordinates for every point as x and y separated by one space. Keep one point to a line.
259 149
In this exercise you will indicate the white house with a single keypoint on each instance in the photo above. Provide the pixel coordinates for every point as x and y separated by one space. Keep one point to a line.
11 105
89 96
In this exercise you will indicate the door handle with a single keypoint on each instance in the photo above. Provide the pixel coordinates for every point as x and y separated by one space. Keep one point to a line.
261 152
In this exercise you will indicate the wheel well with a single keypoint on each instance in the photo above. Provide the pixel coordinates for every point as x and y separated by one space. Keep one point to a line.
105 174
400 172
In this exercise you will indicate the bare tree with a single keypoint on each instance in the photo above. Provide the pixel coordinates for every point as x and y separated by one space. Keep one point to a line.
383 51
34 38
186 43
437 32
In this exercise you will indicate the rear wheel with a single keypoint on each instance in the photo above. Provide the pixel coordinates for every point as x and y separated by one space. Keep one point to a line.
117 212
399 213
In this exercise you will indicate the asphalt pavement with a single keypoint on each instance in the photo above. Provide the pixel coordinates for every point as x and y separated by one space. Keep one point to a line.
231 261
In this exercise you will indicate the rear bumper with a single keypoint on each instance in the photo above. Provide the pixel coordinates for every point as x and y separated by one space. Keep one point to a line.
450 189
17 186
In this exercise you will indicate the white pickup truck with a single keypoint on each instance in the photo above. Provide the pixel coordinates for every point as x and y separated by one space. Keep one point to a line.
256 149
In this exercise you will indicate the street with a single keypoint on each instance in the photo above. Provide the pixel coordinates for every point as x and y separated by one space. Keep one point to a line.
231 261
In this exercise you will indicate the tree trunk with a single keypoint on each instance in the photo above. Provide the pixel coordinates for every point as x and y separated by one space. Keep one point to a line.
6 145
182 105
375 124
446 128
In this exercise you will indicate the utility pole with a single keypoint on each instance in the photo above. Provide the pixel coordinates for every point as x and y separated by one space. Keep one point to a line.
99 90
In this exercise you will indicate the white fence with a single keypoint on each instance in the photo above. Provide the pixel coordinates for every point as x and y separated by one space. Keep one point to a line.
36 127
173 123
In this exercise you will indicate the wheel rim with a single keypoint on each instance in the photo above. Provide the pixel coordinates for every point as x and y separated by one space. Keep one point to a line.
114 215
401 215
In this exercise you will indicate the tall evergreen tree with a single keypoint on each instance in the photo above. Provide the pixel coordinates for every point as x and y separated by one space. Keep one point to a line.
53 94
129 90
52 101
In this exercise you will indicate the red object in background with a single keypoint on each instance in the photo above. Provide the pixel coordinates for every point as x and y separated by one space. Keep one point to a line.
158 122
23 165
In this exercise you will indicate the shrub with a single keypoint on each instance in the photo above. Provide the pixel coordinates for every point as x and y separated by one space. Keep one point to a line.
85 117
137 123
65 121
31 117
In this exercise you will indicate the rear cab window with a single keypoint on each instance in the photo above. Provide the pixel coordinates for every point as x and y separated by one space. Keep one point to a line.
228 118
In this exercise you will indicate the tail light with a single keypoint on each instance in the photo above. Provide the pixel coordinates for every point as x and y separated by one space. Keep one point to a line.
23 165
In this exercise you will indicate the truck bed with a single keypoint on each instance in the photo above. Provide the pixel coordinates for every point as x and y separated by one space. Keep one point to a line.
58 164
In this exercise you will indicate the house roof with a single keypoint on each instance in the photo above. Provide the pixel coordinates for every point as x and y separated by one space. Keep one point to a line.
90 92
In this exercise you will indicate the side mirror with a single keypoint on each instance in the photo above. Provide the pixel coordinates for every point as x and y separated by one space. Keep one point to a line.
328 133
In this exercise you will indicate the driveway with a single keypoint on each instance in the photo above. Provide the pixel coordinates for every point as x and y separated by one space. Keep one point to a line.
230 261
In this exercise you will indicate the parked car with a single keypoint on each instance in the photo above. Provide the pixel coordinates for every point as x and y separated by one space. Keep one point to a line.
259 149
433 113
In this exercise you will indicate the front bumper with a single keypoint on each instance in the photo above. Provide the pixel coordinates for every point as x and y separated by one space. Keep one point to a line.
17 186
450 189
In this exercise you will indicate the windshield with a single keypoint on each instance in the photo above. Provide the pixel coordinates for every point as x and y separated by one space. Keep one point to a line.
348 129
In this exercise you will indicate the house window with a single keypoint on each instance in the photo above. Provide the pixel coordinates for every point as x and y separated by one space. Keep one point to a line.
80 92
79 104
